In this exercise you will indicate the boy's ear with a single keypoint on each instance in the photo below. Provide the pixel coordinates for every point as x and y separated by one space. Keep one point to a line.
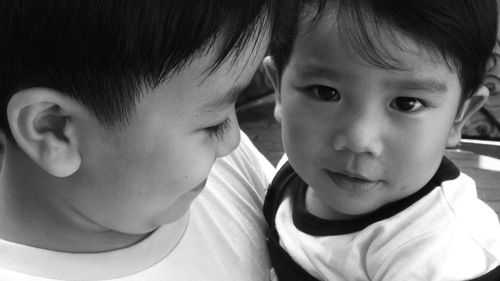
42 123
465 112
273 76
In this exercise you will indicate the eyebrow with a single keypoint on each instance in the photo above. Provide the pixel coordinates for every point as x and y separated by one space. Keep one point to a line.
311 69
424 84
229 98
427 84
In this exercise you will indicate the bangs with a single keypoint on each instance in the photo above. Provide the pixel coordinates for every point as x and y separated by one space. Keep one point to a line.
367 36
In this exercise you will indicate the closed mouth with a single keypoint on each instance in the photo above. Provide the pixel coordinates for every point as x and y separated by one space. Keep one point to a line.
352 183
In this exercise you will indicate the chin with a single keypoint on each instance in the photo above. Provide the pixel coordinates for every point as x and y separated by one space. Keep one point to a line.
174 214
358 211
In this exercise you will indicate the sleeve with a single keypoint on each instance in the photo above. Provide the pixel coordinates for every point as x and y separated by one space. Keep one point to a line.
447 254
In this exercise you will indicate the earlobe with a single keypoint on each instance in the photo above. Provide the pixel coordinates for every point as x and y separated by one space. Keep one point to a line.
272 72
41 123
274 77
277 110
465 112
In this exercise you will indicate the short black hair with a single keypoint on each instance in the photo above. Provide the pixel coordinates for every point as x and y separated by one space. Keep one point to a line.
104 52
460 32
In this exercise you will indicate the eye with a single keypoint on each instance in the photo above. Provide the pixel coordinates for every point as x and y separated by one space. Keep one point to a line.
405 104
327 93
220 130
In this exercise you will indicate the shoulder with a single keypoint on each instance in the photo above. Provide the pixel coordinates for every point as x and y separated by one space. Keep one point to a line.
472 214
450 234
445 254
474 217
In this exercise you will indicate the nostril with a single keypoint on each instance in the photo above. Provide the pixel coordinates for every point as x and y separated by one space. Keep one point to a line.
358 143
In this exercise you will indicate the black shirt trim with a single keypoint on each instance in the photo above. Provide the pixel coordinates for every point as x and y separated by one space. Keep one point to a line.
284 265
286 268
493 275
313 225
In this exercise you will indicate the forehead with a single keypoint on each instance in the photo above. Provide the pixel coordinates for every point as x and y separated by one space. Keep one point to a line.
324 52
364 38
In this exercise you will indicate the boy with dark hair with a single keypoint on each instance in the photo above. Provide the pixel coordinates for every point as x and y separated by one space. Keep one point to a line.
117 114
369 94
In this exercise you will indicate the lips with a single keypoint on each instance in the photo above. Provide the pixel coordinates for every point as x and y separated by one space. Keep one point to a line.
352 182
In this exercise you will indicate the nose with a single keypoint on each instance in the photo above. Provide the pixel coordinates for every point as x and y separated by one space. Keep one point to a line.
359 132
230 140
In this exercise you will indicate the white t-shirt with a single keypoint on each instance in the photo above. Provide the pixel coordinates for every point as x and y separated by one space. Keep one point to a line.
449 234
224 238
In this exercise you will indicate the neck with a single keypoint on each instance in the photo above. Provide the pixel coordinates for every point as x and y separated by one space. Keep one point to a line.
33 212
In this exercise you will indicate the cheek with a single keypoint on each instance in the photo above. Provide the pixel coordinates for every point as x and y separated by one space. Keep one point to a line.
413 155
306 125
165 167
183 165
305 137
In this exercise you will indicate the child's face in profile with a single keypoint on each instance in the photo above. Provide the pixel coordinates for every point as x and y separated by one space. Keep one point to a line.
359 135
148 173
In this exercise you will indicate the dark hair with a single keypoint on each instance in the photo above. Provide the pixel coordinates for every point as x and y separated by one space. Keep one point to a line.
104 52
460 32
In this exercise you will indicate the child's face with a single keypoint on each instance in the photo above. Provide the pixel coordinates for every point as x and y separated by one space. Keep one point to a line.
359 135
147 174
